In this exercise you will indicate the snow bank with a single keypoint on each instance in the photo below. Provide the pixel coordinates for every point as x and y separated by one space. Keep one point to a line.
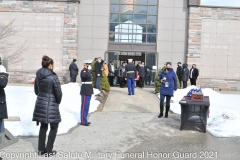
224 116
21 102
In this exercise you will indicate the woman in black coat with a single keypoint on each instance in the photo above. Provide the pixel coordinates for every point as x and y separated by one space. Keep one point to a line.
3 104
48 90
185 75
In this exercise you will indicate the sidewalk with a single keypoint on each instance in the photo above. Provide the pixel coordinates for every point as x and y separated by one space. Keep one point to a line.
128 128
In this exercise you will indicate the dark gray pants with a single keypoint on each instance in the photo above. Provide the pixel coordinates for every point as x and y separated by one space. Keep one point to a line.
51 137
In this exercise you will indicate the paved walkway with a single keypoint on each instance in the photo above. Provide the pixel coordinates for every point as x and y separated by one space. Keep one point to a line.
128 127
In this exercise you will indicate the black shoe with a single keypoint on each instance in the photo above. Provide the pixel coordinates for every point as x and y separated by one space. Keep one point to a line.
160 115
88 122
166 115
132 94
129 94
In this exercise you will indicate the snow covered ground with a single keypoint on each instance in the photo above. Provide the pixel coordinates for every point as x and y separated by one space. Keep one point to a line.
21 102
224 114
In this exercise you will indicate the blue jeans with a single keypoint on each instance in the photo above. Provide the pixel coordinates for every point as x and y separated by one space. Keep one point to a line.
98 80
130 82
85 108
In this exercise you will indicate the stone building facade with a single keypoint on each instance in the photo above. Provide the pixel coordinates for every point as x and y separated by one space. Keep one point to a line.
41 19
213 45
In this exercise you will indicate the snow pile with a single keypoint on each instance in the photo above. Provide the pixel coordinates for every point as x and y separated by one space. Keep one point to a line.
21 103
224 114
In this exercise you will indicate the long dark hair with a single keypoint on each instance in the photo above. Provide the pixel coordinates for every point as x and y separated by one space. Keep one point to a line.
46 61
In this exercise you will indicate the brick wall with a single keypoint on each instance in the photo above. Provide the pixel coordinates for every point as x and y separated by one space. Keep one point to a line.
70 33
213 45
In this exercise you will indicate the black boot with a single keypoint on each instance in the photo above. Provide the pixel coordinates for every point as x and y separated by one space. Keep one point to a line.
166 113
161 111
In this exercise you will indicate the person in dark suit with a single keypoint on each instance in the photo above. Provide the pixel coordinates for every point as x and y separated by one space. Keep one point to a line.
131 75
73 71
111 74
193 75
179 72
185 75
142 72
49 95
122 75
98 72
86 92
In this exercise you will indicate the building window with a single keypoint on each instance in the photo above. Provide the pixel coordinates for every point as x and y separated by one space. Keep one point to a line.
133 21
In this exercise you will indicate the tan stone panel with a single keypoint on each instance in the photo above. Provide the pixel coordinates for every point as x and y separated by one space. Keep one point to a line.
164 47
86 21
86 10
98 53
85 43
101 44
104 2
84 54
101 10
100 21
83 2
85 32
165 35
101 33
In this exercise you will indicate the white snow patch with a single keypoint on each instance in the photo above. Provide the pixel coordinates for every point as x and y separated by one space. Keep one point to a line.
224 114
21 102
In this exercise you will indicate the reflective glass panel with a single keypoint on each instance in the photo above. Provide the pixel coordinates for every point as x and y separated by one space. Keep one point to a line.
143 27
140 9
114 8
114 1
152 19
124 37
124 28
126 18
126 9
126 1
151 28
112 27
151 38
112 37
139 38
152 10
113 17
140 19
140 1
152 2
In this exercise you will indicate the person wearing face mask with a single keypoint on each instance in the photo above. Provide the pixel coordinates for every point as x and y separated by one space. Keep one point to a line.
169 86
142 73
49 95
185 75
111 69
86 92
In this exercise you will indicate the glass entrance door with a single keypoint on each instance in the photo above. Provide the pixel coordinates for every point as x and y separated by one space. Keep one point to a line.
151 64
150 59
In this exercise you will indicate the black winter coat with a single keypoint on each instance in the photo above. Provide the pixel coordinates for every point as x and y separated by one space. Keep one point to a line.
179 72
185 73
86 76
73 69
142 72
195 73
122 71
49 95
3 104
98 69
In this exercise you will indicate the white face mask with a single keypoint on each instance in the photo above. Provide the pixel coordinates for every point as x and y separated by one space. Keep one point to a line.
89 67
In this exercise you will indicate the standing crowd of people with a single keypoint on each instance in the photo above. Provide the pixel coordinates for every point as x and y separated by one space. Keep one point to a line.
49 94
